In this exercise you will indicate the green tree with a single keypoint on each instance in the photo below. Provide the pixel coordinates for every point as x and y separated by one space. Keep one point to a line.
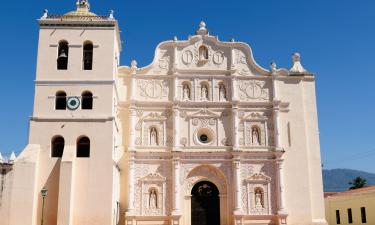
358 182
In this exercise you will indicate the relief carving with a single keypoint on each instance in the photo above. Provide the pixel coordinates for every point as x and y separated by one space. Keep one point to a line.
153 88
253 89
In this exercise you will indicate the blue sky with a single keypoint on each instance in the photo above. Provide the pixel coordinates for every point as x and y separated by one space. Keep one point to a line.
336 39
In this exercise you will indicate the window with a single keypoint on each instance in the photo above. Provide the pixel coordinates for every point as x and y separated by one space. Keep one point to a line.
60 102
57 147
63 55
88 50
87 100
83 147
363 215
350 216
338 217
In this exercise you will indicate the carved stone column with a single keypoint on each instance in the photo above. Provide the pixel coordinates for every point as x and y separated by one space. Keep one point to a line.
235 128
133 87
280 175
175 89
276 128
131 186
176 187
132 124
176 129
237 185
233 89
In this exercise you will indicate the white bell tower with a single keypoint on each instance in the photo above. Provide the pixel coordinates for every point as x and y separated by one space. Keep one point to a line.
73 131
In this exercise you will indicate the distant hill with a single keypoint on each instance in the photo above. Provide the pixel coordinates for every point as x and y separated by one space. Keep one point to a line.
337 179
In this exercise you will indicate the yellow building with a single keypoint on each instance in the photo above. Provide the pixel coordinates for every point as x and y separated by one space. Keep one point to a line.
351 207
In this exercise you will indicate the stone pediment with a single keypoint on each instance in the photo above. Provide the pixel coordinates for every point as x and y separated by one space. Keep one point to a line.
185 56
255 116
154 117
153 177
204 113
258 177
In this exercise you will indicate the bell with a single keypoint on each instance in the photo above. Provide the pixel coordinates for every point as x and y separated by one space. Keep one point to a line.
63 54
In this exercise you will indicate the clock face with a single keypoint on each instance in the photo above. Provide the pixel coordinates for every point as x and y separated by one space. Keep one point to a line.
73 103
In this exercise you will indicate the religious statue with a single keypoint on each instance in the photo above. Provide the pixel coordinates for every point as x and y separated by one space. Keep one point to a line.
203 53
186 94
153 137
204 92
222 94
255 136
258 199
153 199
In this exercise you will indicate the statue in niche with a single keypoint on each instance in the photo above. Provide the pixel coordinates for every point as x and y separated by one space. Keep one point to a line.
258 199
186 92
222 93
203 53
204 92
153 137
153 199
255 137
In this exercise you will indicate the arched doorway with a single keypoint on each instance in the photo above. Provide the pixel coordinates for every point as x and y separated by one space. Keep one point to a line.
205 204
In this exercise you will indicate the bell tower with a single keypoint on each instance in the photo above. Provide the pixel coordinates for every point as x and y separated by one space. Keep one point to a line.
71 149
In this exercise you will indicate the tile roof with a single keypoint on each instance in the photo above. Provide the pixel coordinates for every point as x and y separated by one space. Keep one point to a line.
350 192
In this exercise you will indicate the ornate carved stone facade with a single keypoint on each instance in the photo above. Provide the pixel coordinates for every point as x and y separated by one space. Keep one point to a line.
202 134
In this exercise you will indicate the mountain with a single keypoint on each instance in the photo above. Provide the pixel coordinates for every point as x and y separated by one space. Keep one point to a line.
337 179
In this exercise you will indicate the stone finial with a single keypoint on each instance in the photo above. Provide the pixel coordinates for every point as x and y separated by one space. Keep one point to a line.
175 38
202 29
111 15
232 40
133 66
83 5
273 68
12 157
297 66
1 158
45 14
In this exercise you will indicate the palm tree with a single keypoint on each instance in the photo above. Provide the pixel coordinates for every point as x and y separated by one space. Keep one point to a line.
358 182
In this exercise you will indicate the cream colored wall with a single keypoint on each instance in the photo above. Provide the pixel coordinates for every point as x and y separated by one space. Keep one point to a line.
355 202
303 190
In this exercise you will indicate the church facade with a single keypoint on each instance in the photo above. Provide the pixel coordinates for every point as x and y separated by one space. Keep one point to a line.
201 136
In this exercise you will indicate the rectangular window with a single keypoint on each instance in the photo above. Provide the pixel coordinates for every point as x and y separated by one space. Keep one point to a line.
350 217
363 214
338 217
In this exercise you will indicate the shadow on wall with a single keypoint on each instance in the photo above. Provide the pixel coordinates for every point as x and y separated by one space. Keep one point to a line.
51 200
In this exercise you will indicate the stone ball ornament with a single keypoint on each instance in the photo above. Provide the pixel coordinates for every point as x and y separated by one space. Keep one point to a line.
73 103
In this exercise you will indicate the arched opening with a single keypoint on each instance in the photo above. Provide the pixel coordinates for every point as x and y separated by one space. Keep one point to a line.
60 100
88 52
87 100
203 53
57 147
83 147
154 136
63 55
255 136
205 204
